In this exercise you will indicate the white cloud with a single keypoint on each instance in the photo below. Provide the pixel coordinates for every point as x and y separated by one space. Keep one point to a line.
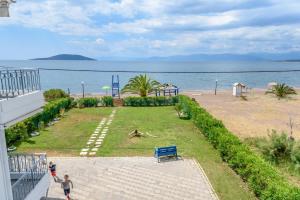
158 27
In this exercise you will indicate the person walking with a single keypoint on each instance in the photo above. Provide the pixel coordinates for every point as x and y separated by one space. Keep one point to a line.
52 168
66 185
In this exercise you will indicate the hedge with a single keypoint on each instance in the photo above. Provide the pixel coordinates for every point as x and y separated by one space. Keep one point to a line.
22 130
261 177
150 101
54 94
94 102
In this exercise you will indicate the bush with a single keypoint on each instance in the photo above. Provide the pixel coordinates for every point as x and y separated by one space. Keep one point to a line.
261 177
150 101
295 155
54 94
107 101
22 130
88 102
278 147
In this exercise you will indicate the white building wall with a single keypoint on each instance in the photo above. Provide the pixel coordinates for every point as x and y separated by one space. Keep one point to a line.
14 108
5 184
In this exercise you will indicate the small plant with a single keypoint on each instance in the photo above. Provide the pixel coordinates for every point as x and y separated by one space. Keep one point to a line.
295 155
178 108
244 98
278 147
281 90
88 102
107 101
54 94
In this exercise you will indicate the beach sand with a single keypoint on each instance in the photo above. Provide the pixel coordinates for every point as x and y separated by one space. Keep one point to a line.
253 117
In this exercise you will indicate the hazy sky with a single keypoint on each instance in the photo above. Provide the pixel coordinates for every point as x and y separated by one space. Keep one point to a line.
136 28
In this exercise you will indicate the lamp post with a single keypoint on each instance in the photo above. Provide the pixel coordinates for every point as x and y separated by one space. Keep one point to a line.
82 85
216 86
4 7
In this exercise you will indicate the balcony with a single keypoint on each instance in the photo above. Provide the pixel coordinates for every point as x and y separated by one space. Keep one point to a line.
22 176
29 177
20 95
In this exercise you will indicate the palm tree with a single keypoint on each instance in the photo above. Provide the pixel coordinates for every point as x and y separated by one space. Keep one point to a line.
141 84
281 90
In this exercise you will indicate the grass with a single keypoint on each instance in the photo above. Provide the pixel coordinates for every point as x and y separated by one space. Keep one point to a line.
163 123
70 135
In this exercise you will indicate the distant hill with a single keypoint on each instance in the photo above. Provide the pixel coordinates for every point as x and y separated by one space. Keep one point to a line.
65 57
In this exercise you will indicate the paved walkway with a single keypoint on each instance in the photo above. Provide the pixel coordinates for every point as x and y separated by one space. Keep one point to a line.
131 178
95 141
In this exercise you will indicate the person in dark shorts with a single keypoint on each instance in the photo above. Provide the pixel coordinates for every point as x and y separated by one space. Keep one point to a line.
66 185
52 168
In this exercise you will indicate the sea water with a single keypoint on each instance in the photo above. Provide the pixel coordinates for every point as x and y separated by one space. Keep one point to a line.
94 81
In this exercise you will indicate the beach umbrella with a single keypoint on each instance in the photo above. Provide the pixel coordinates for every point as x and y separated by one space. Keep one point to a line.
106 88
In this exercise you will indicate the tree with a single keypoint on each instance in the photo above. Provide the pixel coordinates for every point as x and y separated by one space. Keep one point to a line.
141 84
281 90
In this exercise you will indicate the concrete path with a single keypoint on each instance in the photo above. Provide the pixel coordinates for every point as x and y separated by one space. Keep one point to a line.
122 178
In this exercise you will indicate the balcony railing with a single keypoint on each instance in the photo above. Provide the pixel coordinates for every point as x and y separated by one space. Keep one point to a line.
14 82
26 172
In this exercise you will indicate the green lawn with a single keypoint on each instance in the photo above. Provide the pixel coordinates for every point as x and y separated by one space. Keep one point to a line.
70 135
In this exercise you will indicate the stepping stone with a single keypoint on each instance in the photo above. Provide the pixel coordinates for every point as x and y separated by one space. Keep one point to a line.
97 146
100 140
84 149
98 143
93 138
94 149
83 153
92 153
95 134
88 143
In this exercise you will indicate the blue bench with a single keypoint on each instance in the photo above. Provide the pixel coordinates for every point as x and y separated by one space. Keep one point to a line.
165 151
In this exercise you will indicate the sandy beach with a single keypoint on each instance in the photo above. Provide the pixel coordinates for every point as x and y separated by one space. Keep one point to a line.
255 116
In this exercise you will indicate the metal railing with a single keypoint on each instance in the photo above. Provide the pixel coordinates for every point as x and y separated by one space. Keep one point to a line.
14 82
26 172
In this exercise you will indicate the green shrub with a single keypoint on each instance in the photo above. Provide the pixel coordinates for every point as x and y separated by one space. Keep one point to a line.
107 101
22 130
261 177
295 155
278 147
88 102
54 94
150 101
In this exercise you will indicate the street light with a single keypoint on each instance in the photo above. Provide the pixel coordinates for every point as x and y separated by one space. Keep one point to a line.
4 7
216 86
82 85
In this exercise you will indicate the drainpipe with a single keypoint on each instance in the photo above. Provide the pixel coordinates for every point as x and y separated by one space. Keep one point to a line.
5 183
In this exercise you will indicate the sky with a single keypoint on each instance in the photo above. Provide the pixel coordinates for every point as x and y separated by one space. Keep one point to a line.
145 28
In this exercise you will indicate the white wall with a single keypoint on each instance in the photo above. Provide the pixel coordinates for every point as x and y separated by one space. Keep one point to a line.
13 109
5 185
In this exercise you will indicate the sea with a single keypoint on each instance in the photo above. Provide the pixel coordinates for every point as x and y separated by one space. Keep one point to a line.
94 81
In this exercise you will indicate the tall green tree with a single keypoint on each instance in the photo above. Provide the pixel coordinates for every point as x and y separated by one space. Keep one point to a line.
281 90
141 85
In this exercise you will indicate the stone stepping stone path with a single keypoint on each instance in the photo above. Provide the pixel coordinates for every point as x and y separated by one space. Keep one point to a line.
96 139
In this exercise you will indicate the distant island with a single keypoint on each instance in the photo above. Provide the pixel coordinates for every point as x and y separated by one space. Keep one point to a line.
65 57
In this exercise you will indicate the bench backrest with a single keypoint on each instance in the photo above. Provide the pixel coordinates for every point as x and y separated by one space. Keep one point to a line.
166 150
